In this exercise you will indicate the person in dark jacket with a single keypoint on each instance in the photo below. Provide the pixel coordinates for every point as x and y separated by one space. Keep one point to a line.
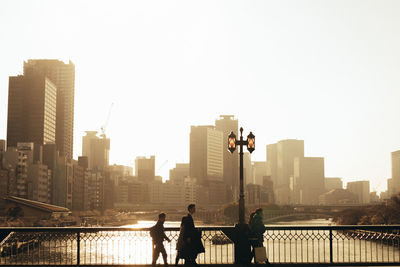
158 235
189 242
257 230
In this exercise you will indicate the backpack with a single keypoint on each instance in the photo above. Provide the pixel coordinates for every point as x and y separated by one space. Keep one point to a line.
153 231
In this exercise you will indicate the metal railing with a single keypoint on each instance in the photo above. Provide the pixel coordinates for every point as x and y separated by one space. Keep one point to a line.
350 245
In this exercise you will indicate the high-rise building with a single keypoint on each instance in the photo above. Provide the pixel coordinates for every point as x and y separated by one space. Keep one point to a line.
280 163
227 124
145 169
96 190
272 164
333 183
206 156
178 174
258 195
38 180
395 172
50 159
80 190
338 197
2 145
31 110
63 77
247 171
63 183
16 160
96 149
190 191
391 188
259 171
308 180
361 189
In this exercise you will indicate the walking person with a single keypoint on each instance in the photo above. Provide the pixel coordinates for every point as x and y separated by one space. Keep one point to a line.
158 235
189 242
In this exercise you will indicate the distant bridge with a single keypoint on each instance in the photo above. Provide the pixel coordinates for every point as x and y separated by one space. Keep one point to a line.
295 216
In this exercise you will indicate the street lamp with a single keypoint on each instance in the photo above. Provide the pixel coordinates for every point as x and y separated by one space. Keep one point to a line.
250 143
242 246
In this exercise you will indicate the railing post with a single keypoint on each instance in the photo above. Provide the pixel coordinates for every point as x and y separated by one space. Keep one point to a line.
330 245
78 248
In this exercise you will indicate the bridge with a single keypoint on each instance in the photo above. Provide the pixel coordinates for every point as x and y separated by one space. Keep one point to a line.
285 245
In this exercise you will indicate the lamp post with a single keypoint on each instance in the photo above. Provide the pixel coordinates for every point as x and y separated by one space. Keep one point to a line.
242 248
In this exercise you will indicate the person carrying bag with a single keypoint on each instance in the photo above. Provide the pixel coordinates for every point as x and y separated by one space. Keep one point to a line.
256 237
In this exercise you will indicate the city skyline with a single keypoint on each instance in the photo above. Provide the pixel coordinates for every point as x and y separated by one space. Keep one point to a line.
345 110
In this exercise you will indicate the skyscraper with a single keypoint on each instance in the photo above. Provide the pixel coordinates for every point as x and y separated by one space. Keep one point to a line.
31 110
308 180
63 77
361 189
280 163
145 169
206 156
259 172
227 124
395 184
96 149
207 165
178 174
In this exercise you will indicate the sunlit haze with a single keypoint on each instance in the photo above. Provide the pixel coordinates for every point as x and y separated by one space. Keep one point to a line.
326 72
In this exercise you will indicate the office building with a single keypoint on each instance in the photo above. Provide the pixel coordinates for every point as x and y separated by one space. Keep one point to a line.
308 174
96 190
272 163
258 195
120 170
361 190
4 186
395 185
97 150
206 156
178 174
17 160
227 124
145 168
80 191
63 77
31 110
3 146
338 197
50 159
39 183
190 191
173 195
280 164
333 183
391 188
248 177
259 171
62 184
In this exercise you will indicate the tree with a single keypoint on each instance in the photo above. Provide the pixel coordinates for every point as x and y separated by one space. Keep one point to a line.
231 211
15 212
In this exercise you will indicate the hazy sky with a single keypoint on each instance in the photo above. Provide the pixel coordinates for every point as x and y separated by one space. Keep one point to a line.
323 71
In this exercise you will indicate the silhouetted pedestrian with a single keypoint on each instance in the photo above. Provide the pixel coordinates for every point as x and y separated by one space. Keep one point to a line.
257 230
158 235
189 242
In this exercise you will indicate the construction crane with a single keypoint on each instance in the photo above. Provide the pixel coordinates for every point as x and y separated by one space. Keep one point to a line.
104 126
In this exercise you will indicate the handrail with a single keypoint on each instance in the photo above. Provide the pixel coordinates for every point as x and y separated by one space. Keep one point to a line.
210 228
305 244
